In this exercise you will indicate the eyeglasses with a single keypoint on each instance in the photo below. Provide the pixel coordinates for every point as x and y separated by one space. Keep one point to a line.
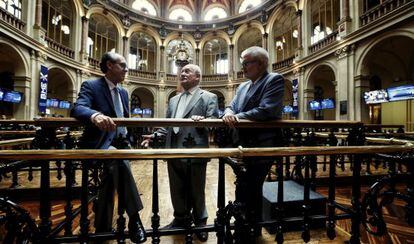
246 63
123 65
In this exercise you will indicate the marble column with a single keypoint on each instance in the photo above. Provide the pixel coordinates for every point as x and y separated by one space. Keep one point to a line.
361 109
22 110
84 40
230 57
299 50
125 45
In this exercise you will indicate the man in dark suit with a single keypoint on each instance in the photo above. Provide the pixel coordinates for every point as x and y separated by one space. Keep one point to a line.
98 102
258 99
197 104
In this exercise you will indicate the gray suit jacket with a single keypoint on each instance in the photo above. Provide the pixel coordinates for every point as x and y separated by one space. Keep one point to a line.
202 103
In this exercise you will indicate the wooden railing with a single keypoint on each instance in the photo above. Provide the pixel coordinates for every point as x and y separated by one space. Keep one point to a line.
284 63
142 74
217 77
381 10
11 19
329 39
303 148
60 48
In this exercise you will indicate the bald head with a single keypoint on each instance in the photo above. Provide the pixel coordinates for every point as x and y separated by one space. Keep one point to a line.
190 76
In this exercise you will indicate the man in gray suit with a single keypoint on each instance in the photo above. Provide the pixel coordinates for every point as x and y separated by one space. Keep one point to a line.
258 99
196 104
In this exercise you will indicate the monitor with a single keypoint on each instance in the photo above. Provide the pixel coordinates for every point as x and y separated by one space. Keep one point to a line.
64 104
287 109
12 96
1 94
376 96
314 105
401 93
137 111
54 103
327 103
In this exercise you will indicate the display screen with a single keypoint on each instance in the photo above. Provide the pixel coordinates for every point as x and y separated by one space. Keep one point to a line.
287 109
137 111
52 102
1 94
12 96
401 93
146 111
64 104
314 105
327 103
376 96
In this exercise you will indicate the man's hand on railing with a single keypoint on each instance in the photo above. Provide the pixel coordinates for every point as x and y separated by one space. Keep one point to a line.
147 139
197 117
230 119
104 122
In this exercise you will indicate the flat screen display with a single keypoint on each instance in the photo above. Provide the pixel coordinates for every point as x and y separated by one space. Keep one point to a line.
376 96
401 93
137 111
52 102
64 104
1 94
12 96
314 105
287 109
327 103
146 111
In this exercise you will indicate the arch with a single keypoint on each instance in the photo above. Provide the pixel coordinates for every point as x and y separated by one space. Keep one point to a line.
371 45
148 30
218 5
278 11
67 73
214 34
146 99
21 68
112 18
180 6
244 27
315 67
176 34
221 99
79 9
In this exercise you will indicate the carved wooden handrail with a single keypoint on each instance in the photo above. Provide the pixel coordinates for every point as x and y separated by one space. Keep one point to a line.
195 153
155 122
59 47
28 140
283 63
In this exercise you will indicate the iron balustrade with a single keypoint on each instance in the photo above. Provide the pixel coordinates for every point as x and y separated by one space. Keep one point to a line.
226 230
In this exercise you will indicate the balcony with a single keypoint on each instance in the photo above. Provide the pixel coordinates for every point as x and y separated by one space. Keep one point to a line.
381 10
240 75
11 19
93 62
283 64
216 77
171 77
329 39
142 74
60 48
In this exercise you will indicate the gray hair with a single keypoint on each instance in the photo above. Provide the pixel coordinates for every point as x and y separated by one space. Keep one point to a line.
196 69
257 52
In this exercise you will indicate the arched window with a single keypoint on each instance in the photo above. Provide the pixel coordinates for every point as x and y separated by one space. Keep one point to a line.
325 15
215 58
12 6
250 37
180 14
142 52
215 13
286 35
102 36
144 6
248 4
171 51
57 20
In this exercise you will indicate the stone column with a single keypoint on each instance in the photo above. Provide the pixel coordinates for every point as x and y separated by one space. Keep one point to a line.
345 64
230 57
304 112
38 32
265 41
161 101
299 74
23 84
344 25
37 58
125 45
84 39
361 109
161 73
197 56
38 16
229 94
299 50
31 16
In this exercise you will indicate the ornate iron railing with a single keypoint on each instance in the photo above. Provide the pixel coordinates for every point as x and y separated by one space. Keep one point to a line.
381 10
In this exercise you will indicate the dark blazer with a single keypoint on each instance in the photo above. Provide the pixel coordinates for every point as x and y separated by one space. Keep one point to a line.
262 102
94 97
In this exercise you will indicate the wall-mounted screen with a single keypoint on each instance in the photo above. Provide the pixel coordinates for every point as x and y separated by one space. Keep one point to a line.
137 111
376 96
287 109
64 104
327 103
401 93
314 105
147 111
52 102
12 96
1 94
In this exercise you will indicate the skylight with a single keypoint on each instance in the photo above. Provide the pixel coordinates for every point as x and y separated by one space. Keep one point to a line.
144 6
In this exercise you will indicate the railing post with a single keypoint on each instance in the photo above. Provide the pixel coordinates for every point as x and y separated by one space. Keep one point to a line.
155 219
219 222
279 205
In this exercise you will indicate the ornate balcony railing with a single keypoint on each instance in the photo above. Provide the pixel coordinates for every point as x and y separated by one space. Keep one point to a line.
381 10
172 77
303 148
217 77
11 19
284 63
240 75
60 48
142 74
93 63
329 39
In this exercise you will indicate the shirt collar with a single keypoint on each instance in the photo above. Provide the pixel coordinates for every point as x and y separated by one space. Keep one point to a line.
192 90
111 85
